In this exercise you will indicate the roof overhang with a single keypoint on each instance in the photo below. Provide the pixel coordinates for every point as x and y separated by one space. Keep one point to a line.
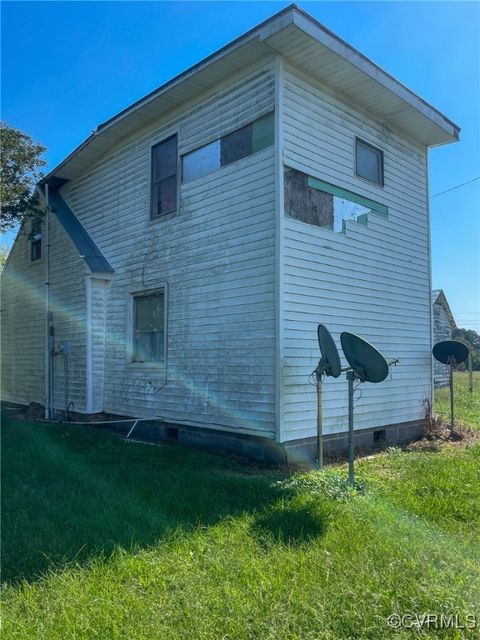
307 44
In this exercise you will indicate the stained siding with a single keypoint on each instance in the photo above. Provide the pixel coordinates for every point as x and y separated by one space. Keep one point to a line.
23 320
373 280
23 325
215 257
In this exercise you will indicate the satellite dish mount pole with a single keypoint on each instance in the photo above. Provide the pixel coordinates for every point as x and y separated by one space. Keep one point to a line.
319 381
451 362
351 449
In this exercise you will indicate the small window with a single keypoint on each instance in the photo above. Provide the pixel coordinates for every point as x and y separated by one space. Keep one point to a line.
149 328
243 142
368 162
36 241
164 177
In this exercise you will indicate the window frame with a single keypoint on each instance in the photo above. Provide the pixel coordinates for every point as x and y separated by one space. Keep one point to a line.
155 143
39 225
379 151
162 364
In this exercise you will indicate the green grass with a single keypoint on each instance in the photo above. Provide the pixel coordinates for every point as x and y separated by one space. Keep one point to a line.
467 404
106 539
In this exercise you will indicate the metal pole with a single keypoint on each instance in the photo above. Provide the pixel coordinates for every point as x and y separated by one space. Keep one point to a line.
66 381
351 472
319 424
451 398
470 373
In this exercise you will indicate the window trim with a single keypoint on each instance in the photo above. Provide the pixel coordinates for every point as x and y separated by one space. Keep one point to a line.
161 364
382 162
154 143
340 192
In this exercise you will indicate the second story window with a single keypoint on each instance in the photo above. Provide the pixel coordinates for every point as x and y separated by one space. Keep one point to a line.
238 144
164 177
368 162
36 241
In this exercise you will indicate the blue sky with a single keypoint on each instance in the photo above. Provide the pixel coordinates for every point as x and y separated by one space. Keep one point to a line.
68 66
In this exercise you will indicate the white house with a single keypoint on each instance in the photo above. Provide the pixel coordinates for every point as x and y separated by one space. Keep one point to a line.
195 240
443 326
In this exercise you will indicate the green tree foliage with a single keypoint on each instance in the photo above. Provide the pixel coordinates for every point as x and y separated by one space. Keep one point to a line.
20 170
472 339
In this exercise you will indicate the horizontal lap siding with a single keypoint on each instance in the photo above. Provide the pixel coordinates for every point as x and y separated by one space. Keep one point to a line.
374 280
67 303
23 320
216 256
23 326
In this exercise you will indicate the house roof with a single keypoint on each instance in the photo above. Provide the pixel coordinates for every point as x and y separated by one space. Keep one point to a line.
438 297
88 250
308 45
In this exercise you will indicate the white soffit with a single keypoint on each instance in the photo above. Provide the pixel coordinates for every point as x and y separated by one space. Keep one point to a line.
309 46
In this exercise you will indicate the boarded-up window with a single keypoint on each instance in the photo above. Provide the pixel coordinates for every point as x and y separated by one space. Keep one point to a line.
326 205
368 162
164 177
149 328
36 241
238 144
307 204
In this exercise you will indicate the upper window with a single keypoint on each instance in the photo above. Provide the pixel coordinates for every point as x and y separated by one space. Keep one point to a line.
164 177
149 328
368 162
36 241
253 137
325 205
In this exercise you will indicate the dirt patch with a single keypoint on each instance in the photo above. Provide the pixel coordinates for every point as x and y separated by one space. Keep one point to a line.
438 433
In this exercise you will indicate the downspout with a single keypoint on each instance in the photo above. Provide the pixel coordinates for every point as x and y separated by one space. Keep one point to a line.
48 400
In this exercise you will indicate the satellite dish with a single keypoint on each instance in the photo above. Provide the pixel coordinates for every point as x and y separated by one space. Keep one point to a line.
366 361
450 351
330 361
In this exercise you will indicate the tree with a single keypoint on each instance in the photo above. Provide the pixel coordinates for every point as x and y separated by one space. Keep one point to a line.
20 170
472 339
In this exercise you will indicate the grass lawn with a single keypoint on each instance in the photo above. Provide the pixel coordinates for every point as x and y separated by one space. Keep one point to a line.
467 405
105 539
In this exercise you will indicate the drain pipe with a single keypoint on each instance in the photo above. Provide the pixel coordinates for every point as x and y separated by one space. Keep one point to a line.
47 309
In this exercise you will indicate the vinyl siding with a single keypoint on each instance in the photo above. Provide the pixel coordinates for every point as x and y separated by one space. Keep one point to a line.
23 320
214 256
373 280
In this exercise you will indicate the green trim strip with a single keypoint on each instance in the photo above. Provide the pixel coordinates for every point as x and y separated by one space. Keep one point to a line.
348 195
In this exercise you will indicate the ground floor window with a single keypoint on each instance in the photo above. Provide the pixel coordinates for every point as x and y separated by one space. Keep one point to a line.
149 327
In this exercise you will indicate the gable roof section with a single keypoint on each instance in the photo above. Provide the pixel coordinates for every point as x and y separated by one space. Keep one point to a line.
310 46
88 250
438 297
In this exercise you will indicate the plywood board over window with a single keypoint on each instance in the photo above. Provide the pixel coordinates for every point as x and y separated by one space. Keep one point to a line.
306 204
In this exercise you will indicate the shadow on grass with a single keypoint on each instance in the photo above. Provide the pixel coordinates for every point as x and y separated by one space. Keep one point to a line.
70 493
293 522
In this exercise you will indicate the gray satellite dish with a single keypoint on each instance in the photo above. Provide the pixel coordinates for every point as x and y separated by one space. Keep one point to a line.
328 365
367 365
451 352
366 361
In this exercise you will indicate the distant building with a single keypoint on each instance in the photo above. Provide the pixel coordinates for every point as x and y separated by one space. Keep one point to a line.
443 326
